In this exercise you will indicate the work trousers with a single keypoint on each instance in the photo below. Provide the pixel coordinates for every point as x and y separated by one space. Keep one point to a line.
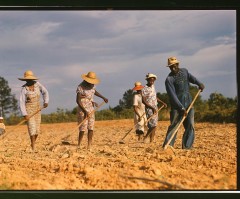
188 135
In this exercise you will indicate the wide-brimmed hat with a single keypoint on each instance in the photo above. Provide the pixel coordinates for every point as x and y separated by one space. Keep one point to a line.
138 86
91 78
149 75
28 75
172 60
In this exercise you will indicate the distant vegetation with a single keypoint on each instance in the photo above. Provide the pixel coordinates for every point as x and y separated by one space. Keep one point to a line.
216 108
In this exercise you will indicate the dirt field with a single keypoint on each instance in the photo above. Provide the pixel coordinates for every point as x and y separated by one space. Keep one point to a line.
210 165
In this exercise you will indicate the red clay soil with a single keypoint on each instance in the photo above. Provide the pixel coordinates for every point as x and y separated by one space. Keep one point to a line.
210 165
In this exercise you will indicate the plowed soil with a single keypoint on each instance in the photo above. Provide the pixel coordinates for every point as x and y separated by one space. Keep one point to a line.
54 165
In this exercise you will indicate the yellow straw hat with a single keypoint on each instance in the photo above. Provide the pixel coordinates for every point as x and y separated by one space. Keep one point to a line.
138 86
91 78
172 60
28 75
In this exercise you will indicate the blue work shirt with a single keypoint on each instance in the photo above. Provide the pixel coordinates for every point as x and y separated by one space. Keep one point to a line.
177 86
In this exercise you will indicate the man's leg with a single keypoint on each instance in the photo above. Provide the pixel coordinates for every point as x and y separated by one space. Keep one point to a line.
175 118
189 134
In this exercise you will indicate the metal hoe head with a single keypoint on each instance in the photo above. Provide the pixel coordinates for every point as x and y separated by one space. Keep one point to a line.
121 142
65 142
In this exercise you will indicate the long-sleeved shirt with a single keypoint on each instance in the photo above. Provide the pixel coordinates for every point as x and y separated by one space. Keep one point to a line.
24 92
177 86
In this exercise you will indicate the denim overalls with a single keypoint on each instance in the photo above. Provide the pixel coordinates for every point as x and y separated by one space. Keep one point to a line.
177 86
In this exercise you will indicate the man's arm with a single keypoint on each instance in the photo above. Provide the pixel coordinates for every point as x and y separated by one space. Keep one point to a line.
194 80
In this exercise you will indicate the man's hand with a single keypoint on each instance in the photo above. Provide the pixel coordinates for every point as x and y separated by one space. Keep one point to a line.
201 87
183 112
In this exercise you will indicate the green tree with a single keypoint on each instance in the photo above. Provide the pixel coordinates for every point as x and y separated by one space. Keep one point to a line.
217 101
8 101
127 100
164 97
106 114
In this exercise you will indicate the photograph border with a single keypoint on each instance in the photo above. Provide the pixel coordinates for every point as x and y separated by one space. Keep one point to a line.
130 5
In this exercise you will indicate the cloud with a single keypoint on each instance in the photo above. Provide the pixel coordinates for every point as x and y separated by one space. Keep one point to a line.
214 61
120 46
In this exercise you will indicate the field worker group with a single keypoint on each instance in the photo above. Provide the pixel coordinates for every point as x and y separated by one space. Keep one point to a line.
145 104
177 86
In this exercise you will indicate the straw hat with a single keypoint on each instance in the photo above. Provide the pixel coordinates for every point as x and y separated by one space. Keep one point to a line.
138 86
149 75
172 60
28 75
91 78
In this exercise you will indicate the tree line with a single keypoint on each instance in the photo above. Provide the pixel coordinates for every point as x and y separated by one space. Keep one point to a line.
217 108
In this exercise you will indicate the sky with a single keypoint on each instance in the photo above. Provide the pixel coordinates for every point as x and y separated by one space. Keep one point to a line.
121 47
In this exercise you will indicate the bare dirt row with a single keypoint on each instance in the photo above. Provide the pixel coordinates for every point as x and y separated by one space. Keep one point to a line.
210 165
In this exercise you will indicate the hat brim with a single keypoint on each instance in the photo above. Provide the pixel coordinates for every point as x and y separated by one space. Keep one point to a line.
137 88
172 64
28 78
91 80
151 77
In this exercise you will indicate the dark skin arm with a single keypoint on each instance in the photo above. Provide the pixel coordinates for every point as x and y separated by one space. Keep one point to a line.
99 95
79 97
78 100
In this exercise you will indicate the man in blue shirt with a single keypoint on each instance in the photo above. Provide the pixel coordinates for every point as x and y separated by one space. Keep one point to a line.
177 85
